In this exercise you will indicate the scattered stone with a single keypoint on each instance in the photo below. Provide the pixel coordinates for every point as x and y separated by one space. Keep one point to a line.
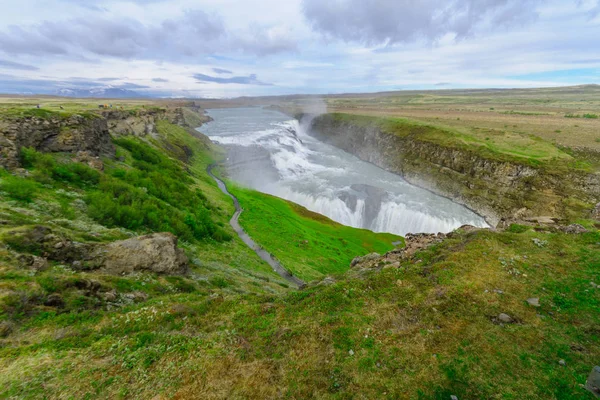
453 397
498 291
534 301
593 381
595 286
364 259
505 318
573 229
351 352
540 242
54 300
562 363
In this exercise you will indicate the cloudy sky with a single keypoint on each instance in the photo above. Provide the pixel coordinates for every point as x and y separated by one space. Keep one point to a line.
227 48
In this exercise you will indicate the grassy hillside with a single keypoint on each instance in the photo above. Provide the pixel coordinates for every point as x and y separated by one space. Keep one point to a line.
308 244
426 330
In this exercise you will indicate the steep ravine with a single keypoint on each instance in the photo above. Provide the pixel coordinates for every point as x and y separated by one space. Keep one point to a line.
498 190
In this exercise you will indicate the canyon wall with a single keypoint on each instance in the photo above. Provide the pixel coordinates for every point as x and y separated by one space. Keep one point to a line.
498 190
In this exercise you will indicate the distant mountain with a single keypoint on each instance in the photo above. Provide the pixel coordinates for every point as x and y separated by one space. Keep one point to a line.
108 92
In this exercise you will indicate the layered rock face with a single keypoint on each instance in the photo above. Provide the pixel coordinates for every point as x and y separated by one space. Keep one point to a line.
495 189
53 134
89 134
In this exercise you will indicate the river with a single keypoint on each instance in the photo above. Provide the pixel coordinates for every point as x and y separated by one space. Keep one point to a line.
273 153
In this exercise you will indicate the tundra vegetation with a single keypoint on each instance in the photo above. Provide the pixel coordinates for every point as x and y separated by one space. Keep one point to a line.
506 314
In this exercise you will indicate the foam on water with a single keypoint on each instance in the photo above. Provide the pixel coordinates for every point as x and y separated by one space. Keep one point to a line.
273 154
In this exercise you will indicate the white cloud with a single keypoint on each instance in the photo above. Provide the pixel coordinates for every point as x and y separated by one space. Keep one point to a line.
390 44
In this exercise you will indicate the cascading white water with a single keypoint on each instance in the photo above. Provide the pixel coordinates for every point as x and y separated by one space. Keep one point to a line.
273 154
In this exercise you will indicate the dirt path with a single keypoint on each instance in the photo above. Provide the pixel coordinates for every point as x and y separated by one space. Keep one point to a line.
262 253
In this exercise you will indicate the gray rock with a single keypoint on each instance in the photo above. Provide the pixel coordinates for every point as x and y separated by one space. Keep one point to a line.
562 363
363 259
507 319
453 397
534 301
593 381
573 229
157 252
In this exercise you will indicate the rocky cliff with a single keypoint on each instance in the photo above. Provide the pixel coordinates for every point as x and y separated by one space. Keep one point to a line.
53 132
86 133
498 190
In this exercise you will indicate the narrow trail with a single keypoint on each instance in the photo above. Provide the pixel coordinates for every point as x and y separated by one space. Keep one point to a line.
262 253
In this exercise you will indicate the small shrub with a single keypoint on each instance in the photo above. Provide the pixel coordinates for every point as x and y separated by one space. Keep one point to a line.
19 188
516 228
219 282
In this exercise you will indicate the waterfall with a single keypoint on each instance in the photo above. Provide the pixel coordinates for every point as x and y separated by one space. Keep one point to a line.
271 153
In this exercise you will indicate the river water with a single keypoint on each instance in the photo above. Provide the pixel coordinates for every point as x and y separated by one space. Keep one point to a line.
272 153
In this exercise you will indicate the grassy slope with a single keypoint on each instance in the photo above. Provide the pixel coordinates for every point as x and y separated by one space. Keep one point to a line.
423 331
308 244
496 145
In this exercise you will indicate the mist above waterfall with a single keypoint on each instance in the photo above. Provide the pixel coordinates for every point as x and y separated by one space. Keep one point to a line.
274 154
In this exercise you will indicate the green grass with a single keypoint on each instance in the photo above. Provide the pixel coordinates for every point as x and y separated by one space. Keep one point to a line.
502 146
308 244
423 331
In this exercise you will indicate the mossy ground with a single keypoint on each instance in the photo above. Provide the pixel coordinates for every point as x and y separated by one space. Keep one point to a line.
424 331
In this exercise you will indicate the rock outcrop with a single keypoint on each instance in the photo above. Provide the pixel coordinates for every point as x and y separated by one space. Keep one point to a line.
157 252
495 189
88 135
54 133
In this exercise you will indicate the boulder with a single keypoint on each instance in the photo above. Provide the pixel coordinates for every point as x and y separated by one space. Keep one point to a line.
593 381
505 318
157 252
